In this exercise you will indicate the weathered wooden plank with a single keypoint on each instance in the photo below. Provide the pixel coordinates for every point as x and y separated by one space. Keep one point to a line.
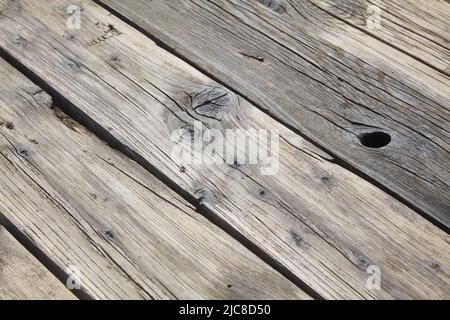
331 82
418 28
92 210
23 277
321 222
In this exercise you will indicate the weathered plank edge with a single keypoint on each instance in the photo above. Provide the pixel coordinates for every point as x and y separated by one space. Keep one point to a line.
338 160
100 132
23 239
384 41
41 260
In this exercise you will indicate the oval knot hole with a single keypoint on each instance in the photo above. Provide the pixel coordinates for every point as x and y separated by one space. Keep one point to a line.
375 140
275 5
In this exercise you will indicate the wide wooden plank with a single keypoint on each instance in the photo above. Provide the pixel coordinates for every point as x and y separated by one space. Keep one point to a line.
331 82
322 223
23 277
93 211
418 28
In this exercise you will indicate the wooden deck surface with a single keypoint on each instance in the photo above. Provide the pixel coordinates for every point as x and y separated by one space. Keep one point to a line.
88 178
23 277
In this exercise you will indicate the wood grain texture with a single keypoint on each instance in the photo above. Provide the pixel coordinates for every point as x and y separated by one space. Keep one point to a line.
324 78
321 222
23 277
418 28
84 205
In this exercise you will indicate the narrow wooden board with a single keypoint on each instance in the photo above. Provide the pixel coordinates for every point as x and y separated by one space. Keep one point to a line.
22 277
321 222
93 211
326 79
418 28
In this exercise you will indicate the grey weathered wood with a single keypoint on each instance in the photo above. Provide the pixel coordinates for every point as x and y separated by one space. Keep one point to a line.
419 28
325 78
318 220
89 208
23 277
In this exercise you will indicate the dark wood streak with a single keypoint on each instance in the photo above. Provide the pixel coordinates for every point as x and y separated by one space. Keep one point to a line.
324 92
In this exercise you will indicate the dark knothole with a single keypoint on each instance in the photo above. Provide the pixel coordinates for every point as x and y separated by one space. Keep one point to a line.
24 152
375 139
109 234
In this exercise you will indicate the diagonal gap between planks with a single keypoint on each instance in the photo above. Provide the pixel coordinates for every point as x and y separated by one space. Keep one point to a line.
347 162
279 277
23 277
36 252
94 124
379 38
79 116
336 158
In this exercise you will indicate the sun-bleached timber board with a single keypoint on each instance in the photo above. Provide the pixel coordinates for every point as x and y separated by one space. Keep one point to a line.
324 78
89 208
23 277
416 27
321 222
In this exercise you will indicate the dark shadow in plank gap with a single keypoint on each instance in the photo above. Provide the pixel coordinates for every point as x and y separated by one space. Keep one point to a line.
36 252
79 116
336 159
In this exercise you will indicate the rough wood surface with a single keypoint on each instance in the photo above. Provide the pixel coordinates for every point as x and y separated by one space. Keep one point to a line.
321 222
92 210
327 79
418 28
23 277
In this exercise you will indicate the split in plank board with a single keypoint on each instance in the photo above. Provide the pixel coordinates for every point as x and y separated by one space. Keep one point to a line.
321 222
22 277
329 81
85 205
